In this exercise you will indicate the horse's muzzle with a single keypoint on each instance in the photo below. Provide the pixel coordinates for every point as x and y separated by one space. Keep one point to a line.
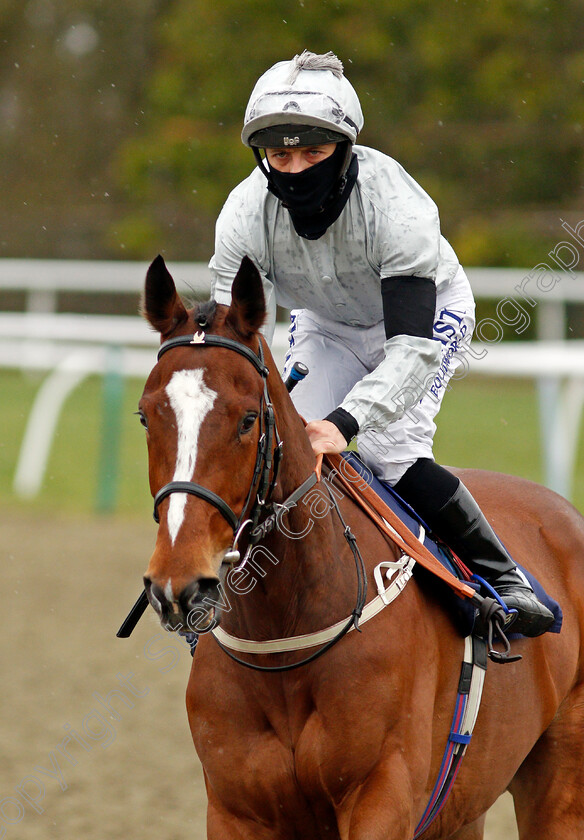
195 608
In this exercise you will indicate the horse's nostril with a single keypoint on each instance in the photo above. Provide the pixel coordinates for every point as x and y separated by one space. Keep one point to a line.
190 595
155 595
198 602
204 589
208 591
208 586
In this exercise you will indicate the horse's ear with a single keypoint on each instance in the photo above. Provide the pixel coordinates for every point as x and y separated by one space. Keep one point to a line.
247 312
161 305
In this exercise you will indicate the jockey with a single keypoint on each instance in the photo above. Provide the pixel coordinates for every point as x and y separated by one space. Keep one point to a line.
382 311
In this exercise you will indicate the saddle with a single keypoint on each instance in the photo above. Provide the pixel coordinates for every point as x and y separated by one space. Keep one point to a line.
353 473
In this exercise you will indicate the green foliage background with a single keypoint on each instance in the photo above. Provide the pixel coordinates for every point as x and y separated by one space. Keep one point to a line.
128 143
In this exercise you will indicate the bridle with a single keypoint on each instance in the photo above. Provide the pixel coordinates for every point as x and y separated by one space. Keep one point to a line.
269 450
269 454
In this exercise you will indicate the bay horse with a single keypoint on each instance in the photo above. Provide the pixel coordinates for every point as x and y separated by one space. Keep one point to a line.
348 746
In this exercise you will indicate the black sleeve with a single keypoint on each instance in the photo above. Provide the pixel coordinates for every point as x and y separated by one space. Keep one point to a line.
345 423
409 305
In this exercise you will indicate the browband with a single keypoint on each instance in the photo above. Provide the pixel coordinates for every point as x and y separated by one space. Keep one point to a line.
202 339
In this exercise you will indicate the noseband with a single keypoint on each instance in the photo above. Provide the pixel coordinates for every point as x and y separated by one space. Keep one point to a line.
268 454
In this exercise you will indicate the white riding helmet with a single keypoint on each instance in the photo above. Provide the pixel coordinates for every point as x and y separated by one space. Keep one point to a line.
310 91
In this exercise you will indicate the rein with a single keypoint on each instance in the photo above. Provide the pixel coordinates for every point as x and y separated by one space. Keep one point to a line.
225 641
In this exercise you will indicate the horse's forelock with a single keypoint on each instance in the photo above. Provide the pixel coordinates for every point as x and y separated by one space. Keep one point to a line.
205 313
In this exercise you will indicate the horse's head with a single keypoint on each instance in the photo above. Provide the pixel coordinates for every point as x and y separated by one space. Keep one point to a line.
204 410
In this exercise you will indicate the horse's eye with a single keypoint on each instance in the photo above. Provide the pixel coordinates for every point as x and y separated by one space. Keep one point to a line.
142 418
248 422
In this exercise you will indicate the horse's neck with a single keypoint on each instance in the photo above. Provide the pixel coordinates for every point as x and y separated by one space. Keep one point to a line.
302 576
292 574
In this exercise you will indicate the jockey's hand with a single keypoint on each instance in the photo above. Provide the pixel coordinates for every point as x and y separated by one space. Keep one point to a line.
325 437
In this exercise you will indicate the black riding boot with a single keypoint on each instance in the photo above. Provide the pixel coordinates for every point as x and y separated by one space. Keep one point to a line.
452 513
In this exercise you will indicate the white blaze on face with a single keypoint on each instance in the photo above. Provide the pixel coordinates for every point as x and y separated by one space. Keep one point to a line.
191 401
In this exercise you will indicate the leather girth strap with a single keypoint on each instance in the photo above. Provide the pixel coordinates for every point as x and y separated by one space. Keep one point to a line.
398 532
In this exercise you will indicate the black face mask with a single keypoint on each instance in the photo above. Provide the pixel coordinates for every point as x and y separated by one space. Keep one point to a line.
315 197
306 193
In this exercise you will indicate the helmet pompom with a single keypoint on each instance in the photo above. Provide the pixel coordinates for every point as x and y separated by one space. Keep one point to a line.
312 61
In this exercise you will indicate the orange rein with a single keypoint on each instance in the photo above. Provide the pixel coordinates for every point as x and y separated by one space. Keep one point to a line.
390 524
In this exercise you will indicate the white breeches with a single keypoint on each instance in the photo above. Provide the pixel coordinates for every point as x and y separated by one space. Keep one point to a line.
339 355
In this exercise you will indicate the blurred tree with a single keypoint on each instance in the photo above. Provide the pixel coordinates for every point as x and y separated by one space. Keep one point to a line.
71 85
120 122
481 101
